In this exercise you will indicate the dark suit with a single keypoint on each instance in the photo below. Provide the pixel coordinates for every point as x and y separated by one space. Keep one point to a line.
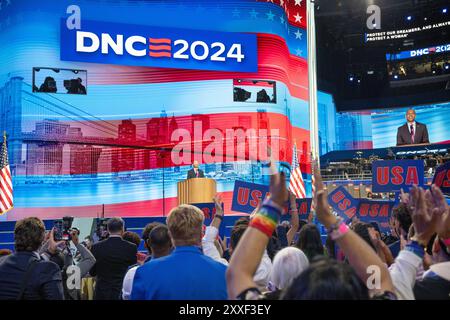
113 258
420 136
45 281
191 174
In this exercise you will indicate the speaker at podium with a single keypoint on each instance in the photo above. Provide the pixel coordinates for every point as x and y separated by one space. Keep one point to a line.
196 190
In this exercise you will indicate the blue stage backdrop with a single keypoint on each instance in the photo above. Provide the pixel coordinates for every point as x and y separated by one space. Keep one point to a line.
71 154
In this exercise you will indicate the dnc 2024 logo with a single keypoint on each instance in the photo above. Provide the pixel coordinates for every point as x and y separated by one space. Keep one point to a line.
123 44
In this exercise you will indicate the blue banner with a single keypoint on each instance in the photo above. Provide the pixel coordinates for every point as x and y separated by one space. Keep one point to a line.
304 207
442 178
343 203
246 196
418 52
393 175
376 211
133 45
209 210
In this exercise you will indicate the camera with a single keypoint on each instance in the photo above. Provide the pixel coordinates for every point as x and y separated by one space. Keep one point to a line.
240 94
63 229
74 86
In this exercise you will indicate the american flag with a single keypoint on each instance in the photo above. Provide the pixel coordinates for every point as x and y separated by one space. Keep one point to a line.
296 184
6 191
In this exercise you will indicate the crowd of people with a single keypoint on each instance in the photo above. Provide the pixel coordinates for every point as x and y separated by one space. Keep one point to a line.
265 259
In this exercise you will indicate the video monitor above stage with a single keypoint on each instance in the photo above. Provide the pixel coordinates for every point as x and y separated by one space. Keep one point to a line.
383 53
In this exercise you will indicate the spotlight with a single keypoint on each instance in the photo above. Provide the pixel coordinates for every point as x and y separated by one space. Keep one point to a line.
444 10
447 66
409 18
351 78
434 68
396 76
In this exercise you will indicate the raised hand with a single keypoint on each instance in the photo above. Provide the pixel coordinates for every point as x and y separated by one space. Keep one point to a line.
404 197
218 204
54 245
424 220
292 201
375 237
278 191
320 200
442 212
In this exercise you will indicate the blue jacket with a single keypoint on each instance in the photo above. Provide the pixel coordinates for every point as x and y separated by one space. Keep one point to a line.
186 274
45 282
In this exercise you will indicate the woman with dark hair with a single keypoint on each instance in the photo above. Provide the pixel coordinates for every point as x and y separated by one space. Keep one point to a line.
327 279
310 242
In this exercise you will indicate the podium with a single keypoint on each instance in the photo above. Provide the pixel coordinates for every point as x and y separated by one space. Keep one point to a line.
196 190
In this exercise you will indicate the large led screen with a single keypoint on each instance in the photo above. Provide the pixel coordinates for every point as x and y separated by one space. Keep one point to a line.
110 149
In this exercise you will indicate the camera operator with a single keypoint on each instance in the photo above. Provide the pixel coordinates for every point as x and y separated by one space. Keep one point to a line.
25 275
71 253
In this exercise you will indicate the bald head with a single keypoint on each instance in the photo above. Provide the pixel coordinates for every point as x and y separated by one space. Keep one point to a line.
410 115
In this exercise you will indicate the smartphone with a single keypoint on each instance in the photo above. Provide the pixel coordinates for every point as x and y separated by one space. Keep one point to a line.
58 230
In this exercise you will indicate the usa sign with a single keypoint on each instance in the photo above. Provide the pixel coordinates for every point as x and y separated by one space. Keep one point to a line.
209 210
134 45
247 196
378 211
343 202
393 175
304 207
442 178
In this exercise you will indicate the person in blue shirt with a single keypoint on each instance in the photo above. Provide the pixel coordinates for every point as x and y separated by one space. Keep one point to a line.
186 274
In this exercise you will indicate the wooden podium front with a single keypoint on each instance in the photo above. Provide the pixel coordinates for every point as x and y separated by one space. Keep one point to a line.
196 190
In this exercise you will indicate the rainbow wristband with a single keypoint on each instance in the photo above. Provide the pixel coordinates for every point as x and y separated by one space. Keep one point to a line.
266 220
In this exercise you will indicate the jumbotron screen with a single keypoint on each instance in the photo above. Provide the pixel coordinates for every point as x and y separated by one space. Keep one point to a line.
93 103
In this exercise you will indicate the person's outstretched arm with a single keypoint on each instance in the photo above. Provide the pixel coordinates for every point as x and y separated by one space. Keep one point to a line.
294 219
209 248
360 255
250 249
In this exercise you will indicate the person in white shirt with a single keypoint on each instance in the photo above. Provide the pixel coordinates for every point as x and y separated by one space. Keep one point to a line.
427 220
262 274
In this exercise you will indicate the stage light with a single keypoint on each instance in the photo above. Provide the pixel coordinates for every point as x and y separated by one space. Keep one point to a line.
434 68
409 18
351 78
444 10
396 76
446 66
